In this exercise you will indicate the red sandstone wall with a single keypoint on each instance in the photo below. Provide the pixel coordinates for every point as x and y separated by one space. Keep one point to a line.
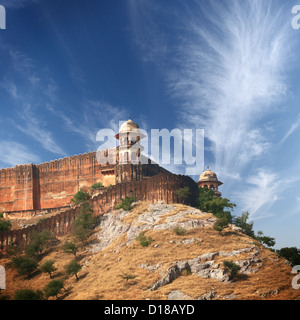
16 188
7 189
51 184
160 187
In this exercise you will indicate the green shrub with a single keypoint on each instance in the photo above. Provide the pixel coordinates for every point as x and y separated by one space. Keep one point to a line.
241 222
80 196
48 267
70 247
144 241
291 254
127 276
183 193
186 272
83 222
207 201
81 233
268 241
37 243
73 268
24 265
125 203
220 225
97 185
5 225
180 231
53 288
231 268
85 217
41 220
27 294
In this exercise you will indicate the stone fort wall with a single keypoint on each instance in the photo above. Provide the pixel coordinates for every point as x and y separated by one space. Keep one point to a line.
51 184
160 187
33 188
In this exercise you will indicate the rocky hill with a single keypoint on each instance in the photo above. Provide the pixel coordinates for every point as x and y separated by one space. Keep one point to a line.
137 255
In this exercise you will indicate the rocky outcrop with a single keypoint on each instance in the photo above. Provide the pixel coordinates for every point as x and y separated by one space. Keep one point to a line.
206 267
161 216
158 216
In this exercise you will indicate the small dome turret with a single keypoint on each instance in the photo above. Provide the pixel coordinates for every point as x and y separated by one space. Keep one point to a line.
208 179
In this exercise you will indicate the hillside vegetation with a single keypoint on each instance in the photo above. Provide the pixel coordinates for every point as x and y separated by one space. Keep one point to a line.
159 251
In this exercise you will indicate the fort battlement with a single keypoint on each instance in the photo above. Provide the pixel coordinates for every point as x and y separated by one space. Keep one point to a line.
161 187
51 184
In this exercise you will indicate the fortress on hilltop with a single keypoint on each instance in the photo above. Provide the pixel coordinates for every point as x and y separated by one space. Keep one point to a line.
29 190
53 184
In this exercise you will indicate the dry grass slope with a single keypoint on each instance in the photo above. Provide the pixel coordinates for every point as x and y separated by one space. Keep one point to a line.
266 277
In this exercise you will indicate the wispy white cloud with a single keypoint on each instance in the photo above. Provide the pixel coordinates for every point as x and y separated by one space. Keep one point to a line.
231 75
28 93
225 65
265 188
13 153
34 127
94 116
19 61
227 70
261 194
294 126
11 88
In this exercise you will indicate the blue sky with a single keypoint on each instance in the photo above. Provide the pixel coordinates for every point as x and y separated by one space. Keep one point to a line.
70 68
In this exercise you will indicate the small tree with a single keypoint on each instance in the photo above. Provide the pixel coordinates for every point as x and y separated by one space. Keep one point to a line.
125 203
241 222
231 268
183 193
208 202
38 242
220 225
127 276
48 267
27 294
268 241
97 185
24 265
80 196
85 217
144 241
180 231
81 233
5 225
290 254
83 222
70 247
53 288
73 268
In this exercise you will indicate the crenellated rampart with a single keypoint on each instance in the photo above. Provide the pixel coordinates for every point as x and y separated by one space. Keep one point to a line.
161 187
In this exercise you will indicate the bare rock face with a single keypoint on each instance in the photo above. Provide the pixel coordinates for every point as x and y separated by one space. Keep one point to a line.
158 217
178 295
161 216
